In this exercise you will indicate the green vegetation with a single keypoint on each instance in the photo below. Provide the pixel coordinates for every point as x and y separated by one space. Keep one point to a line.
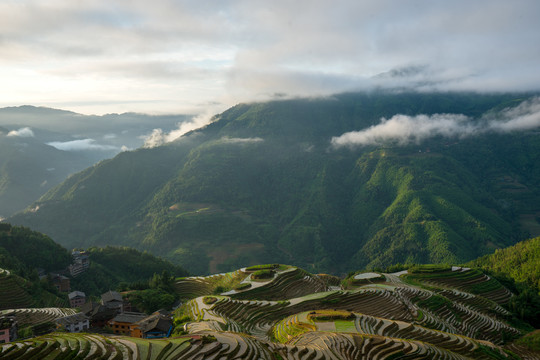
122 268
428 268
330 315
520 262
262 274
531 341
387 321
22 250
262 184
262 267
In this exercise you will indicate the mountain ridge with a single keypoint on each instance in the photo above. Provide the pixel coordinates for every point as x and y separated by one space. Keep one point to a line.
263 178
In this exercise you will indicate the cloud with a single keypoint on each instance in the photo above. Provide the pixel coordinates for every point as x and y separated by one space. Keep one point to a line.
404 129
526 116
158 137
81 145
172 56
22 132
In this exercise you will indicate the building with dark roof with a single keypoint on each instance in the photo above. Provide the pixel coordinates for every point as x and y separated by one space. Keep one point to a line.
74 323
121 323
76 299
60 282
152 327
99 314
112 300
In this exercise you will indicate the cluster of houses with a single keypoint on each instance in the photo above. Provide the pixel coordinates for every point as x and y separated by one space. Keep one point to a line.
111 314
115 313
80 264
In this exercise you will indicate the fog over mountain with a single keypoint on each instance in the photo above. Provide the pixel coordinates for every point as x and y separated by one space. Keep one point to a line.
40 147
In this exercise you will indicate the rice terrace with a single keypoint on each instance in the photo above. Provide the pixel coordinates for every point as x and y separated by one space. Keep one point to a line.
283 312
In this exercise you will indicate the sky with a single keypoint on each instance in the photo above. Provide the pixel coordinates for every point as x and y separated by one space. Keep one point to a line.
201 57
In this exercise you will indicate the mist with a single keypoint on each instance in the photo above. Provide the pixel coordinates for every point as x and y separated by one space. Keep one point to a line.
159 137
82 145
22 132
404 130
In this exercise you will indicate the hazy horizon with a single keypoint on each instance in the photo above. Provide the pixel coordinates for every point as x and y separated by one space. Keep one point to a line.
180 57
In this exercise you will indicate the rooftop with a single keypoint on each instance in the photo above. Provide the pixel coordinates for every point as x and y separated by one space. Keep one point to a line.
74 294
111 296
129 317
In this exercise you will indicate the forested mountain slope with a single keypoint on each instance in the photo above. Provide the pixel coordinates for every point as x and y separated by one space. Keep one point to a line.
23 251
521 262
269 182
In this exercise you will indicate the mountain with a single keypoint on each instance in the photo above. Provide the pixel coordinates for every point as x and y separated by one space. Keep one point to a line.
28 168
426 312
520 262
41 147
108 133
269 182
110 267
22 251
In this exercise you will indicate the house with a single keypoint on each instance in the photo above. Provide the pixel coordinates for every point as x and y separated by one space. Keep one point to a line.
121 323
112 300
60 282
80 264
8 329
76 299
74 323
99 314
152 327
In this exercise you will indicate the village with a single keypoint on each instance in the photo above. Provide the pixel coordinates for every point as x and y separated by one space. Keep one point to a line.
111 314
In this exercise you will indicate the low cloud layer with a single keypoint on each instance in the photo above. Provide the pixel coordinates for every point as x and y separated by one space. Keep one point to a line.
22 132
173 56
404 129
81 145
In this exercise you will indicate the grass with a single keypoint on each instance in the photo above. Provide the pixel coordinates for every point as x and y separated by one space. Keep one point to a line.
531 341
330 315
345 326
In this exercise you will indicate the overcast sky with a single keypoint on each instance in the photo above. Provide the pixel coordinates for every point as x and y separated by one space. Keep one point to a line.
168 56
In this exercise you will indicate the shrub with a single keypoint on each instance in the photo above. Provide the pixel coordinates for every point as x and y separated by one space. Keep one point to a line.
262 267
243 286
263 274
209 300
430 268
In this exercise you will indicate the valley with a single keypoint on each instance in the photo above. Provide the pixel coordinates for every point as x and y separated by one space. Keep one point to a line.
275 175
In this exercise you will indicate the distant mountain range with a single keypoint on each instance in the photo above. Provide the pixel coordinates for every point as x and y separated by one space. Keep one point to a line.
348 182
40 147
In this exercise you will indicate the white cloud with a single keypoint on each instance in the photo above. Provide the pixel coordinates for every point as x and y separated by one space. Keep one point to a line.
173 56
81 145
22 132
158 137
526 116
404 129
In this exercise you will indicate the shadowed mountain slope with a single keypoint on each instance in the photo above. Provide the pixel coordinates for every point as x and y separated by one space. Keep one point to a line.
263 183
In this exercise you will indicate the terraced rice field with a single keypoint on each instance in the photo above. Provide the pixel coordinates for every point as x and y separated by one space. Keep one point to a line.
406 317
12 292
36 316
